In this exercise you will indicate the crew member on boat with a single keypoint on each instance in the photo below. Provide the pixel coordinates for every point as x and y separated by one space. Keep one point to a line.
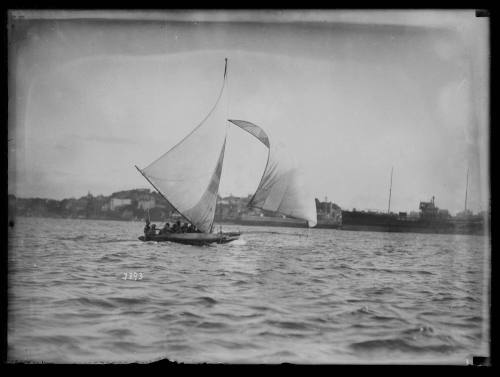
176 228
153 230
166 229
146 228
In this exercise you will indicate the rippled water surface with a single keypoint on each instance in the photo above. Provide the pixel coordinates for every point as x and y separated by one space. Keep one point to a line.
276 295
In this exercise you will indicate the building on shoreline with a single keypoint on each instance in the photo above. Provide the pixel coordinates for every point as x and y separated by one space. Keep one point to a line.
140 204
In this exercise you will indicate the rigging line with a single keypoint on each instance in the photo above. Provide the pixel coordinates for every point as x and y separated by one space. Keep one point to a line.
228 96
199 125
227 100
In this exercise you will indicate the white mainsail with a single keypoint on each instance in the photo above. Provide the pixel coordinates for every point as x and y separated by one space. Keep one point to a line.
188 175
281 188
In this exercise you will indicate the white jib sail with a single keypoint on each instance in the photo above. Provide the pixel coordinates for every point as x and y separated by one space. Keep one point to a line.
188 175
282 188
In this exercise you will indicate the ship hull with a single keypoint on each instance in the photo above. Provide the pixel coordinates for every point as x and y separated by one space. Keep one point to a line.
359 221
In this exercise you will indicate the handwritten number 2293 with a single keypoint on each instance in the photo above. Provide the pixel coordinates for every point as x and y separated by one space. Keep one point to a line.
132 276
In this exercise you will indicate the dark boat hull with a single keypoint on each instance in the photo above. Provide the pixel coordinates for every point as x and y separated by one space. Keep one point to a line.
197 239
362 221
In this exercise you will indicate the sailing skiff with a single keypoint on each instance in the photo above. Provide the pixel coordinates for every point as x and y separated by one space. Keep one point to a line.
188 176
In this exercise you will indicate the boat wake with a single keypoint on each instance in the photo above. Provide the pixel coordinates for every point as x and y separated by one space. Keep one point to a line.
238 242
118 240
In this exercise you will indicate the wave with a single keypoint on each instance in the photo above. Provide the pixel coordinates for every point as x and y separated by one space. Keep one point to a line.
76 238
207 300
119 240
475 319
396 344
231 345
283 354
109 259
395 271
58 340
129 300
378 291
267 309
386 318
85 301
426 330
444 298
126 346
288 325
286 335
166 317
234 317
212 325
363 310
179 347
119 332
272 334
347 267
189 314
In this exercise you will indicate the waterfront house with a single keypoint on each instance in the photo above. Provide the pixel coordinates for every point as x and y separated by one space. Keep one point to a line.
117 202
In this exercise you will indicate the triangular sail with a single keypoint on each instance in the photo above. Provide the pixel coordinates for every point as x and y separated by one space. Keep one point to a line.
281 188
188 175
203 213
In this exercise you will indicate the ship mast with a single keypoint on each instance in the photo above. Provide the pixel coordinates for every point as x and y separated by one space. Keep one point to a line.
466 187
390 190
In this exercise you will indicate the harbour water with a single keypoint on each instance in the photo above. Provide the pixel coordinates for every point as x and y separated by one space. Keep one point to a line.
89 291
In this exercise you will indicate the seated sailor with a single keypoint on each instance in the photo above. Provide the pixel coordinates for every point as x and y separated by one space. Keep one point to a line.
152 232
146 228
177 227
165 229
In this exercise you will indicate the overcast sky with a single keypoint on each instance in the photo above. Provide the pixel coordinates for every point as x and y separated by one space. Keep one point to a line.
351 93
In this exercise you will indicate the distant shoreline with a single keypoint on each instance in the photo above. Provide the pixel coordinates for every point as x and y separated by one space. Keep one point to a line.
264 223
